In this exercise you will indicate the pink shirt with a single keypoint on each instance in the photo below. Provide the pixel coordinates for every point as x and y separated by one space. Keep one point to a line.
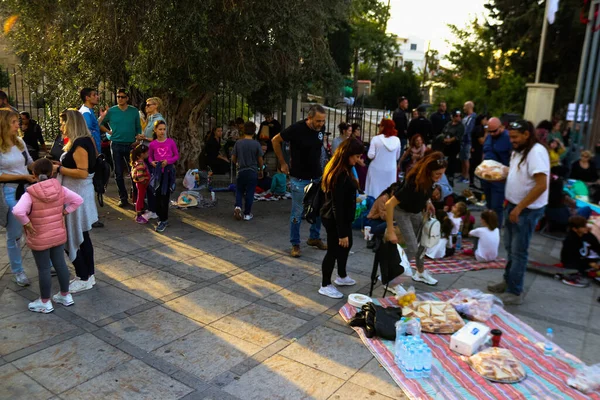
160 151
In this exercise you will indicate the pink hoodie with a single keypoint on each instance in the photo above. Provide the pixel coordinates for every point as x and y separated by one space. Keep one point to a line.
43 206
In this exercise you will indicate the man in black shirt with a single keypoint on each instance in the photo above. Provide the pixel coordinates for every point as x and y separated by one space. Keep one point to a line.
421 126
400 118
274 128
452 136
32 135
306 141
440 118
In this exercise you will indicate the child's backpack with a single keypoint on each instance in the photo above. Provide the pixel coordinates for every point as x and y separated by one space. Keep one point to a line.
431 232
312 202
101 176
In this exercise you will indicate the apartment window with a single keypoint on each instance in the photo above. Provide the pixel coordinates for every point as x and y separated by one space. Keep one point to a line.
413 46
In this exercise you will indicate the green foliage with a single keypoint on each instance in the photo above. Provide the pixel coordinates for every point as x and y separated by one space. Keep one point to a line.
4 78
366 71
396 84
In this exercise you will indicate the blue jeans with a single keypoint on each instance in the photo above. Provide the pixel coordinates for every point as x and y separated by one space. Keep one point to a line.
121 158
245 188
516 242
494 198
378 226
14 230
297 186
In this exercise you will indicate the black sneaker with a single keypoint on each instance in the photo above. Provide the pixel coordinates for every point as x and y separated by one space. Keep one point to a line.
123 203
97 224
576 281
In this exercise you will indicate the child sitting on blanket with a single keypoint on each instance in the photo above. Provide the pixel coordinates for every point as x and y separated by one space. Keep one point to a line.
444 247
580 251
486 239
461 218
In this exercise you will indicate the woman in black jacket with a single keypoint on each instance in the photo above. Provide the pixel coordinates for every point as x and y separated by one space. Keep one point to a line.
337 213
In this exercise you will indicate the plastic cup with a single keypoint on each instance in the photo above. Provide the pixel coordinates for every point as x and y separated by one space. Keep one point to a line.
496 336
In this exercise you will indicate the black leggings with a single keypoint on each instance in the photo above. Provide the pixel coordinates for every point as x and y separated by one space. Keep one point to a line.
162 205
334 252
84 262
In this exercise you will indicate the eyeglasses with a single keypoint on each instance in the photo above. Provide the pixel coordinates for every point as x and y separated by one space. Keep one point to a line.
121 97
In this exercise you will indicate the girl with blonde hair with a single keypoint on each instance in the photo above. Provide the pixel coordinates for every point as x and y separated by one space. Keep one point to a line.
76 172
14 178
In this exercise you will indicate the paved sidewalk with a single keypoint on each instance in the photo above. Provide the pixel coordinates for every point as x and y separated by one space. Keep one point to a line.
215 309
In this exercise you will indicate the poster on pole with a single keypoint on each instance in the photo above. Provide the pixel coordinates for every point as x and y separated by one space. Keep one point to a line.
582 114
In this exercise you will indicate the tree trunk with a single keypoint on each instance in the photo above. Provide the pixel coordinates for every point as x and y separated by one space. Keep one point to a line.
355 87
187 127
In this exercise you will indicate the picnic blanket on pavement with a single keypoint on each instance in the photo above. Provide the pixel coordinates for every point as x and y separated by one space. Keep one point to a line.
452 378
461 263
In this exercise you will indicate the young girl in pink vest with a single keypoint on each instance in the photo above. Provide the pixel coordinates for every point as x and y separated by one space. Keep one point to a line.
40 210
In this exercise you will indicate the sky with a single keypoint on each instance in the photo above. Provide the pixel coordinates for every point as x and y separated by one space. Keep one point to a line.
428 19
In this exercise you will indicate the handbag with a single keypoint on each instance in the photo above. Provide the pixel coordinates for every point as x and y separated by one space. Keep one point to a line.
57 148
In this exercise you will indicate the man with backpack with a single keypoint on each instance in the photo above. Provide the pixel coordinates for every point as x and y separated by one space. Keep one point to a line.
306 140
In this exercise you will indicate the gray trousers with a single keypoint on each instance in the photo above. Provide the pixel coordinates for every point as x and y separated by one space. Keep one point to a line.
410 226
44 260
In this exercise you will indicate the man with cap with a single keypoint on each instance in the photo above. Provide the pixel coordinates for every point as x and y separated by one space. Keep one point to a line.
497 147
452 137
421 126
401 118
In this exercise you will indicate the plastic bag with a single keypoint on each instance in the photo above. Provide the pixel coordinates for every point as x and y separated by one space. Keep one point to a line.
587 379
189 180
491 170
475 305
408 326
405 296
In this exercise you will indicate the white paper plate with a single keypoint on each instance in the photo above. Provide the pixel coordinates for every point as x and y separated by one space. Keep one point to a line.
358 300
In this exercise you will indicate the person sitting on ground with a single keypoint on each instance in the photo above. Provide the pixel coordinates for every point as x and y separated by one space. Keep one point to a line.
376 217
561 207
249 158
461 218
583 170
486 240
414 153
218 163
580 251
444 247
556 149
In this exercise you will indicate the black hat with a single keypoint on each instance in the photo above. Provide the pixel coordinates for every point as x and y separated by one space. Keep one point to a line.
421 109
401 99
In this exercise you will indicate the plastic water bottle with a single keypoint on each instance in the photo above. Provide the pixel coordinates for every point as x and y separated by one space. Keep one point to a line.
419 363
427 361
458 240
410 364
549 345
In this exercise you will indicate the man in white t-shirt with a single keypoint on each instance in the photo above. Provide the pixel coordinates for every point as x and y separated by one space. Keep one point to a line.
527 195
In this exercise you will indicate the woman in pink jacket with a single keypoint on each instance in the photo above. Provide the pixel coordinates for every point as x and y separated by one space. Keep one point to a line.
41 211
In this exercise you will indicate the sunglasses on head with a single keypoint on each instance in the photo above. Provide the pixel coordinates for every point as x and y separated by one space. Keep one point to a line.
516 126
121 97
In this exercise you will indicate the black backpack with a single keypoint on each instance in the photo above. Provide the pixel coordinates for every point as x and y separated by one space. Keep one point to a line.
312 202
101 176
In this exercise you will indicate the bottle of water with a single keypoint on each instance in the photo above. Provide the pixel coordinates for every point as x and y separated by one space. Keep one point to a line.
419 363
458 240
549 345
427 361
410 364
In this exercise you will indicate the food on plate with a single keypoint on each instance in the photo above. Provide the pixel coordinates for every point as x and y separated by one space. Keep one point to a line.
491 170
435 316
498 365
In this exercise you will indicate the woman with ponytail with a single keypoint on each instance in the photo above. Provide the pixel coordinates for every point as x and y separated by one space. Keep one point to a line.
41 211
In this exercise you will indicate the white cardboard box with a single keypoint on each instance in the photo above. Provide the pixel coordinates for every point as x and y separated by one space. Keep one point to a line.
469 338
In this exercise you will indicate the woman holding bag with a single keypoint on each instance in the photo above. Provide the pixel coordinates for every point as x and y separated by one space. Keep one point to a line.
412 198
14 176
337 213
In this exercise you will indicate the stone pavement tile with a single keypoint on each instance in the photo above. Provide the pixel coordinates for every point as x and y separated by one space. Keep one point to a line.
362 281
120 269
304 298
256 283
135 242
100 253
70 363
570 339
594 320
103 301
207 242
258 325
204 267
289 268
18 386
131 380
445 281
487 275
206 305
212 393
154 285
11 303
362 259
469 282
28 328
374 377
207 353
355 392
153 328
544 285
591 350
555 307
287 379
329 351
244 253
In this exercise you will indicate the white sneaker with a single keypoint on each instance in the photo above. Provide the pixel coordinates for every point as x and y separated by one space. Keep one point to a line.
66 300
148 215
78 285
248 217
424 277
347 281
92 279
237 213
40 306
331 291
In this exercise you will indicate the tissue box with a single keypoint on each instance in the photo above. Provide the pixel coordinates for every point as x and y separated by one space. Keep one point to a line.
468 339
